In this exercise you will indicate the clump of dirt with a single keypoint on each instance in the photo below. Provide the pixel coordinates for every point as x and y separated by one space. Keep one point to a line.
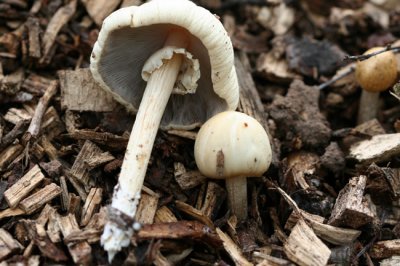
300 123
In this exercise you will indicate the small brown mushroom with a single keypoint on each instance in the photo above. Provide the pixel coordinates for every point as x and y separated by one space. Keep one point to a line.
374 75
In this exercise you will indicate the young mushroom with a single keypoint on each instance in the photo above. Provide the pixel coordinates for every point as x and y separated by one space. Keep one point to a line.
186 57
233 146
374 75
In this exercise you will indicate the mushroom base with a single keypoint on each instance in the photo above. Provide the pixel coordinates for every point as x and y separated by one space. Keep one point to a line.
368 107
237 196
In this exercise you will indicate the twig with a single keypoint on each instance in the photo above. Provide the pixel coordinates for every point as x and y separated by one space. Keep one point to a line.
36 121
336 78
18 130
389 47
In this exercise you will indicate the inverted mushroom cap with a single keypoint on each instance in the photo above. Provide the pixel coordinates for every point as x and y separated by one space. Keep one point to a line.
378 72
232 144
131 35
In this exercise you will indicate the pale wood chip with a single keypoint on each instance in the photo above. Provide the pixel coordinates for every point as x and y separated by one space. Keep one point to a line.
60 18
305 248
100 9
214 197
351 208
147 208
385 249
89 96
40 198
332 234
232 249
80 169
377 149
9 154
11 213
92 204
23 186
195 213
164 215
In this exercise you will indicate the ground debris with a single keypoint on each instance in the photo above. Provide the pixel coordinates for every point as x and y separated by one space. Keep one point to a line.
61 150
298 117
351 209
377 149
304 247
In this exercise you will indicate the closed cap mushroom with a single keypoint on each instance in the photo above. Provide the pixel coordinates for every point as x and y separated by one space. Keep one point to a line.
178 48
233 146
374 75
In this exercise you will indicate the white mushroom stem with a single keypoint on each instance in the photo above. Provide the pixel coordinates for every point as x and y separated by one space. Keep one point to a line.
368 108
127 192
237 196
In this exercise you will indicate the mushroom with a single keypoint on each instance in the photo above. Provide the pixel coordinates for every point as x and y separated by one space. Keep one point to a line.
186 57
233 146
374 75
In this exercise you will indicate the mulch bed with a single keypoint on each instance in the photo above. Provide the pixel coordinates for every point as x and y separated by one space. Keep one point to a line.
331 195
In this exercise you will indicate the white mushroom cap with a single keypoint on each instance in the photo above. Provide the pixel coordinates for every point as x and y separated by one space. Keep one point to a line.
131 35
232 144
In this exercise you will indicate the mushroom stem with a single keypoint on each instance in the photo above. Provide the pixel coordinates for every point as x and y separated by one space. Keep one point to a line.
368 107
127 192
237 196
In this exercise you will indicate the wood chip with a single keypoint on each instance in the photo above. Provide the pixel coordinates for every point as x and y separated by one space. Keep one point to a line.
47 248
74 203
103 138
351 209
250 101
305 248
91 206
8 244
15 115
195 213
11 84
147 208
23 186
267 260
15 133
80 169
36 121
81 252
377 149
9 154
183 133
275 69
60 18
44 215
36 84
334 235
40 198
100 9
89 96
232 249
53 228
385 249
33 27
300 165
164 215
278 18
181 229
11 213
77 186
392 261
214 197
187 179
